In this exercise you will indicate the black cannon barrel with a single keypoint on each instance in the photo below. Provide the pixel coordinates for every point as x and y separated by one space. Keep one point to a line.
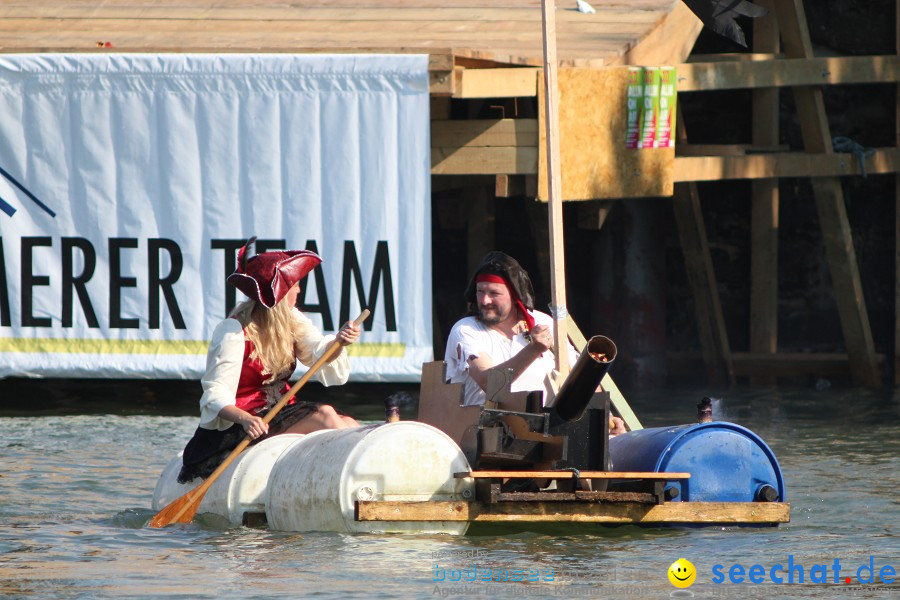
582 382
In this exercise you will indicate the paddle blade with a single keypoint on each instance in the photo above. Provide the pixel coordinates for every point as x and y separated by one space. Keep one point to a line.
181 510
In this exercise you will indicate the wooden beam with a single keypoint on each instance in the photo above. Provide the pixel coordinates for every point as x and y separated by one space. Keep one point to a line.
576 512
731 56
509 146
511 160
440 75
764 208
592 215
697 77
550 112
509 186
830 205
783 164
495 83
484 132
896 364
702 278
728 149
669 43
480 226
781 364
571 475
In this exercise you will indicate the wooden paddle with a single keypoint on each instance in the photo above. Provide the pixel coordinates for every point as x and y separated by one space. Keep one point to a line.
183 509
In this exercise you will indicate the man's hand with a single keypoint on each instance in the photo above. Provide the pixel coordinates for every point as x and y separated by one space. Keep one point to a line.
542 338
616 425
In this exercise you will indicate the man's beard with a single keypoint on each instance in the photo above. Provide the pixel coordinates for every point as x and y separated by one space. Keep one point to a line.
495 318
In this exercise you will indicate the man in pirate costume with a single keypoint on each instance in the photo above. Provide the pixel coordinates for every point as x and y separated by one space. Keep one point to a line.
501 330
253 354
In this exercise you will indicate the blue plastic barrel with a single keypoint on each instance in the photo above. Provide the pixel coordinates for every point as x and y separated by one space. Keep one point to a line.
727 462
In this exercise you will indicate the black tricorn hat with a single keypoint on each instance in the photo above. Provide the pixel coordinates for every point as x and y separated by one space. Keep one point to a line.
498 263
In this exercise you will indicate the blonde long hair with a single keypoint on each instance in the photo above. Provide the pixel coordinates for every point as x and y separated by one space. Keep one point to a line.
274 332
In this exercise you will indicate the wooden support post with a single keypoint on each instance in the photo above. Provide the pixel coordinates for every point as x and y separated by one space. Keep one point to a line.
554 187
692 234
764 210
539 229
592 215
481 225
830 206
897 223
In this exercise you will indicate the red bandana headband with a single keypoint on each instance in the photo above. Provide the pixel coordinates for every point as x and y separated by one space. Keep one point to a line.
490 278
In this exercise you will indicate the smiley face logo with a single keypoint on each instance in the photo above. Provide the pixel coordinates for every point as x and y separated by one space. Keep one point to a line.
682 573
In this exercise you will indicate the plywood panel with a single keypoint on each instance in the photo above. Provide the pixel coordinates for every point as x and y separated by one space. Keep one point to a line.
595 162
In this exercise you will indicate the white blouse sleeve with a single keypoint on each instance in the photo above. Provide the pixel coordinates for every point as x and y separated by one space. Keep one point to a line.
311 345
223 371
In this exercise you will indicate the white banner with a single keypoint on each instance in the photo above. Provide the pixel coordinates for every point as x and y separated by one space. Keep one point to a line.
129 181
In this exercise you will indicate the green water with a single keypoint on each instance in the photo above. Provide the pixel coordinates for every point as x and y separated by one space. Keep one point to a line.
75 493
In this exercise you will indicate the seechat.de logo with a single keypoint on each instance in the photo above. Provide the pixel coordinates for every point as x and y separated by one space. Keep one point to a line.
682 573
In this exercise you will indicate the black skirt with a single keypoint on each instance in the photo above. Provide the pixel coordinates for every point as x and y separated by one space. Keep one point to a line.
209 447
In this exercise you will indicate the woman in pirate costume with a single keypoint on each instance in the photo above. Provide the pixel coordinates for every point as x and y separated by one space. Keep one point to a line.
251 356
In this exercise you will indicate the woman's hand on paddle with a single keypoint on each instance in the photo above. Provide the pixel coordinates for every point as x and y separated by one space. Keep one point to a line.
348 334
254 426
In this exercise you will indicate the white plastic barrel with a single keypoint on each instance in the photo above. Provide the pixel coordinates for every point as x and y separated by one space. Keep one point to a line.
240 489
315 483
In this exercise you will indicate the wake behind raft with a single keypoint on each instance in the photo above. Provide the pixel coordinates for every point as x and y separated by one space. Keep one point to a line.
511 461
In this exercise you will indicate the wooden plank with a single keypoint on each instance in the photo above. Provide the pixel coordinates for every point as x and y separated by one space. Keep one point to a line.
728 149
452 134
833 70
592 215
496 83
781 364
592 142
732 56
510 186
669 42
283 12
480 228
577 512
549 112
782 164
443 408
830 206
556 496
441 83
896 362
764 207
484 161
702 278
571 475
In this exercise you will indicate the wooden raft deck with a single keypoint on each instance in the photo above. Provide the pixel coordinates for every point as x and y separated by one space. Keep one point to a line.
575 506
502 31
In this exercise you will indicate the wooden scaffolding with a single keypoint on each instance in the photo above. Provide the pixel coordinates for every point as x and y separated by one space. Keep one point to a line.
492 49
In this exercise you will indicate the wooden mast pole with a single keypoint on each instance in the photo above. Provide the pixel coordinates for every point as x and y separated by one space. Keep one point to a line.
554 189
